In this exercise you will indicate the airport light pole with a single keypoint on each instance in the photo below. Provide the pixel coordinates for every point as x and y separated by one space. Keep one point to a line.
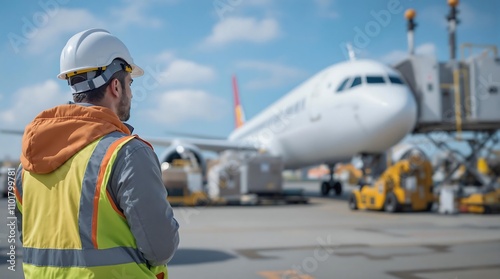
410 16
452 27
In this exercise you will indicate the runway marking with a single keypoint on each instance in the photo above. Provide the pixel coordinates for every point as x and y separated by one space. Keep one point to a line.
381 231
370 214
434 249
412 274
255 254
288 274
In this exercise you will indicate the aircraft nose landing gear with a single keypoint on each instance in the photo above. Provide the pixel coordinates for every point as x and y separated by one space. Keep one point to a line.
331 184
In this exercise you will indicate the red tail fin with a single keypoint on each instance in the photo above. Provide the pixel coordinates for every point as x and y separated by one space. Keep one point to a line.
239 116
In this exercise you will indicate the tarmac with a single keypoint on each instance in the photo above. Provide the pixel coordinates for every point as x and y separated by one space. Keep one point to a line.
321 239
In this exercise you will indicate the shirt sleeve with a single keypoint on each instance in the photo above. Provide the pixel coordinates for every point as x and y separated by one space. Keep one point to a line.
137 186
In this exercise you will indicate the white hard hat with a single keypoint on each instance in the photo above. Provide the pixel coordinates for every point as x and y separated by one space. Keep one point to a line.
92 49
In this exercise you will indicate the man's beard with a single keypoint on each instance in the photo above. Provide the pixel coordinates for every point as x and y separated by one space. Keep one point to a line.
124 108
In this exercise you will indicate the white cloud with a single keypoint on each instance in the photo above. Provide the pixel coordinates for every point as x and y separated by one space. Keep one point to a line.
29 101
48 27
165 56
232 8
176 71
187 72
179 106
273 75
257 2
426 49
398 55
183 72
133 13
325 8
62 22
244 29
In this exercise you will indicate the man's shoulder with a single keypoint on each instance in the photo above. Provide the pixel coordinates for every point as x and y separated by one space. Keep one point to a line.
137 143
136 152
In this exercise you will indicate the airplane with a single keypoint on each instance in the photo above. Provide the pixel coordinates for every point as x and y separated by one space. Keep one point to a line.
350 108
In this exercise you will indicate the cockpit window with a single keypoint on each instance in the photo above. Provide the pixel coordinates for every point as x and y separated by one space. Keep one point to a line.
343 84
375 79
356 82
395 80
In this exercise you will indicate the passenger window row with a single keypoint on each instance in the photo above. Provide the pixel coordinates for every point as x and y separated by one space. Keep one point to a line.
351 82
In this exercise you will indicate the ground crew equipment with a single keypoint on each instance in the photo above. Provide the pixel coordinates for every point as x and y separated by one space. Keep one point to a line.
183 181
483 202
406 185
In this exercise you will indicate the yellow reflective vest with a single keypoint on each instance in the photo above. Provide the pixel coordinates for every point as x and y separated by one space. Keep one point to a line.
71 227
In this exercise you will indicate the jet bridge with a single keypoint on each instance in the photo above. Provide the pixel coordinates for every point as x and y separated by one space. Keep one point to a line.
457 99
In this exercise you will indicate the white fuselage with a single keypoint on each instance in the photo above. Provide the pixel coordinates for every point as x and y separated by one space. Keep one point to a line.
315 123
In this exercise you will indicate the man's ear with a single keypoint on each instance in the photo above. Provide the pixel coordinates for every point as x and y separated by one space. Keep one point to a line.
115 87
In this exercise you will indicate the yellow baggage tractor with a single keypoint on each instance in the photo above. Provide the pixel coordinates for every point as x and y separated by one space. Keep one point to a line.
483 203
406 185
487 200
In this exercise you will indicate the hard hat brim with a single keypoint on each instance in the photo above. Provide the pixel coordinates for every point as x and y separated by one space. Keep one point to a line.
136 71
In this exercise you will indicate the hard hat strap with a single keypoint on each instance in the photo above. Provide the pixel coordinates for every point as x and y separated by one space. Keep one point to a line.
115 66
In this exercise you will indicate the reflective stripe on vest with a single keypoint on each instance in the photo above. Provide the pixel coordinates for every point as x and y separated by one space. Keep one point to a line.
80 258
18 188
83 228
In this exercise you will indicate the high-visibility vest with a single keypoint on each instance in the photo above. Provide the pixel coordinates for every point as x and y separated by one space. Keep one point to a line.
71 225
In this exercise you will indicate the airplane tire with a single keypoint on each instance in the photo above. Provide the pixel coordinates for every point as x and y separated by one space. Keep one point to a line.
325 188
391 203
337 187
353 203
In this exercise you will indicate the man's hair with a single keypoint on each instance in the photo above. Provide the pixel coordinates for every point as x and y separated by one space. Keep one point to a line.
97 94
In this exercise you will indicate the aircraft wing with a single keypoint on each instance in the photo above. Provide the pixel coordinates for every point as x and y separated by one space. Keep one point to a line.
216 145
12 132
211 144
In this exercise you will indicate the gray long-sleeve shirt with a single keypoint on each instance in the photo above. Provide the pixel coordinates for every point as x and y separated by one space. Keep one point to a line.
137 189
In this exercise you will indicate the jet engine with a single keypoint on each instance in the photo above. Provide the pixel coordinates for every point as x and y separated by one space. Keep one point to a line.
180 150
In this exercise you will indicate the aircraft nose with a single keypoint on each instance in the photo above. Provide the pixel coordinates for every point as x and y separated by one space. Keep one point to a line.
388 116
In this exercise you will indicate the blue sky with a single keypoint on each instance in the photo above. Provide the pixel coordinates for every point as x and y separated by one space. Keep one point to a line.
190 49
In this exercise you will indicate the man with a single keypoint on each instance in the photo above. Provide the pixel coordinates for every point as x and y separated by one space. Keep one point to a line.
90 198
